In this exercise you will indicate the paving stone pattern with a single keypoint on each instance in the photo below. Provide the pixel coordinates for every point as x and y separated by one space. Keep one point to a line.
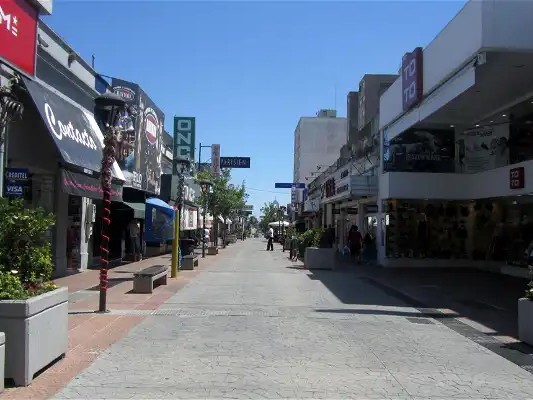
253 326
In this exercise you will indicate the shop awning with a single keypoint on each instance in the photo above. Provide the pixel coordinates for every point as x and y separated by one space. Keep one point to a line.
73 129
139 209
158 226
160 204
87 186
191 204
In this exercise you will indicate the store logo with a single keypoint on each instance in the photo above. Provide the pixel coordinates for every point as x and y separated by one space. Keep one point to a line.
125 92
151 126
9 22
412 78
61 129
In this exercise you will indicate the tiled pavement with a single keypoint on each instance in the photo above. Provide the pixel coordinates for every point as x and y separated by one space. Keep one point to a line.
253 326
90 334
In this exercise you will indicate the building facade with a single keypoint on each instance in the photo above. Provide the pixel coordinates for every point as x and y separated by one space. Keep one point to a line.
457 164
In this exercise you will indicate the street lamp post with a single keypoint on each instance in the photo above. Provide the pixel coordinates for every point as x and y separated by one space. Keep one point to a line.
111 113
182 165
204 185
283 208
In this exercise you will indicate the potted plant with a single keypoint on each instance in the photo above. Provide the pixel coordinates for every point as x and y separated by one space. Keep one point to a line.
525 312
33 312
316 254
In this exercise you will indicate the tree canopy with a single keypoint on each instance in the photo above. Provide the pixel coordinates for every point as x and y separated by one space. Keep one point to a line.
225 199
269 213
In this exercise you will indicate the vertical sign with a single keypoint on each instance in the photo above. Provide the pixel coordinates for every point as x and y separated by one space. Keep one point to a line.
412 78
517 178
215 159
184 137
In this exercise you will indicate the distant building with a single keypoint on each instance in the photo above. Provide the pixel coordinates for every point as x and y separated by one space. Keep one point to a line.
317 142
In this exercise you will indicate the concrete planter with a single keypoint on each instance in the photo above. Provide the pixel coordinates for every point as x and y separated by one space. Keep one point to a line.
36 333
525 320
316 258
212 251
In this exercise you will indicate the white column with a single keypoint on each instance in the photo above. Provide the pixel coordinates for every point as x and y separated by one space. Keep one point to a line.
85 232
60 234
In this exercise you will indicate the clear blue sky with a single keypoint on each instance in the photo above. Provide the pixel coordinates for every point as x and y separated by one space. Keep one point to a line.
248 70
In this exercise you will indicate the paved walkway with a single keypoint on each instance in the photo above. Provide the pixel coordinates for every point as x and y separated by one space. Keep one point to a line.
254 325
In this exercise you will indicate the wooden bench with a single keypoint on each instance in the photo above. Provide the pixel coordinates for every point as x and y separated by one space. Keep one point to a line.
144 280
189 262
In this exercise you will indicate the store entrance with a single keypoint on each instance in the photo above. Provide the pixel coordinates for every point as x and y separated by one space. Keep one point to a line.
73 233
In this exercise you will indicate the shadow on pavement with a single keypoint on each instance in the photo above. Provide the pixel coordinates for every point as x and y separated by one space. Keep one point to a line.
484 297
388 312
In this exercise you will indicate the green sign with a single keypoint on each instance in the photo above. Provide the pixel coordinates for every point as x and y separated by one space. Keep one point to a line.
184 137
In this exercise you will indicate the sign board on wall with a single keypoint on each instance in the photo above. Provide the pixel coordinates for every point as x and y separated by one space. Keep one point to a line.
184 137
481 149
517 178
412 78
337 186
16 180
139 153
215 159
420 150
18 34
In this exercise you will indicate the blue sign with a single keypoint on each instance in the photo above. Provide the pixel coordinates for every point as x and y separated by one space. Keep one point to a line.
290 185
234 162
15 181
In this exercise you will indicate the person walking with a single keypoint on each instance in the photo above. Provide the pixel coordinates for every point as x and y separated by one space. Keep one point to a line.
270 237
355 241
134 229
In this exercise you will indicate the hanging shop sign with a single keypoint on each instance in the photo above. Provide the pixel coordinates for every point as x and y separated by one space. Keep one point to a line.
138 151
16 180
287 185
412 78
481 149
311 205
420 150
184 137
234 162
215 159
18 35
517 178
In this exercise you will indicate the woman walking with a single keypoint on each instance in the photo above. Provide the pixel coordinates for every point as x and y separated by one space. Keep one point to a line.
355 241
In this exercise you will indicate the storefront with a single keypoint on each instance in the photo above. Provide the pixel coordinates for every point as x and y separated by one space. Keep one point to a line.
60 145
454 185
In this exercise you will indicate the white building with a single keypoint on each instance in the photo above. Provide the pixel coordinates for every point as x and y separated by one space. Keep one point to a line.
457 163
317 142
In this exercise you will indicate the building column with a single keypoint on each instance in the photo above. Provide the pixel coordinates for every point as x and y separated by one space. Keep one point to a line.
86 229
60 231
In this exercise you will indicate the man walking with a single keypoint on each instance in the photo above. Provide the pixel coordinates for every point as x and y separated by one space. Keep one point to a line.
270 236
134 228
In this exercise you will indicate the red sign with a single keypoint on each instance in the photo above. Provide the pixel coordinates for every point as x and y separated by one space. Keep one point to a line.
18 34
517 178
412 78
